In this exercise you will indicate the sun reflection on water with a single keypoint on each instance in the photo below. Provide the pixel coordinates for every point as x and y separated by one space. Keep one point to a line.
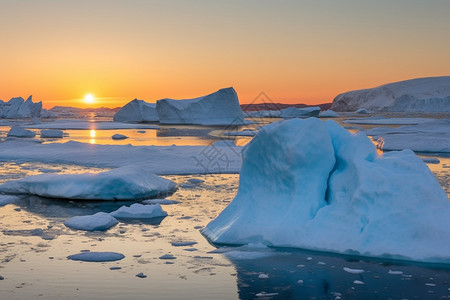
92 135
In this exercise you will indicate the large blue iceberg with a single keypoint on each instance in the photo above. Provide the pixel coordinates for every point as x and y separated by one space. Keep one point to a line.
313 185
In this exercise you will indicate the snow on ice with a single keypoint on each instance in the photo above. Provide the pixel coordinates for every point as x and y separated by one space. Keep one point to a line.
137 111
126 183
430 94
219 108
313 185
139 211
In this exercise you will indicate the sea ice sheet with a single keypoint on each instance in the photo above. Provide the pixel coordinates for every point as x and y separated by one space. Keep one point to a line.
126 183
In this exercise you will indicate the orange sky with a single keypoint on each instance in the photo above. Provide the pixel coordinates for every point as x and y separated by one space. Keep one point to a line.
294 51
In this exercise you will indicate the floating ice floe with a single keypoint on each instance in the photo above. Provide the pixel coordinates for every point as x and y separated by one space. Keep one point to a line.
126 183
242 133
162 160
51 133
18 108
97 256
219 108
328 114
313 185
295 112
137 111
98 222
119 137
430 94
139 211
17 131
432 136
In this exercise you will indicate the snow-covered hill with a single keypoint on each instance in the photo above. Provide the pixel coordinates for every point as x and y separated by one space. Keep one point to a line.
430 94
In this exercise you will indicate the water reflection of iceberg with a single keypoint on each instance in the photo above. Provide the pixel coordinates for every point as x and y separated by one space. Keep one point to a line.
295 274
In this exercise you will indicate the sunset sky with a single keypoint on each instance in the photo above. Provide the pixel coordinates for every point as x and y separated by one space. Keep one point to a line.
294 51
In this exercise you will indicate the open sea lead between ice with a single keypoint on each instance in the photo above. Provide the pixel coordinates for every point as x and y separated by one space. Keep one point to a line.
34 245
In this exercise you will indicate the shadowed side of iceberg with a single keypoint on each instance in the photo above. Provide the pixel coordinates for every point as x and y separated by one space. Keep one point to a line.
313 185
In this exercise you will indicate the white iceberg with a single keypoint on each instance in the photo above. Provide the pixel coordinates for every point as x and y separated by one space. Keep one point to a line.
296 112
430 94
219 108
137 111
17 131
126 183
313 185
51 133
18 108
97 222
139 211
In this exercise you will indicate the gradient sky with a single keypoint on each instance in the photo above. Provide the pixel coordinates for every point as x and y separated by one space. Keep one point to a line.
294 51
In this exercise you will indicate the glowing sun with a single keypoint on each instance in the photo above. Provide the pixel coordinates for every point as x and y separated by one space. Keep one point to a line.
89 99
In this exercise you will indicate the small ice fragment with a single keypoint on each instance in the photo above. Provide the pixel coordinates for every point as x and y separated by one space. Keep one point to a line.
264 294
300 281
300 266
263 276
159 201
309 258
96 256
395 272
358 282
431 160
97 222
430 284
321 263
119 137
353 271
139 211
167 256
141 275
195 180
181 244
